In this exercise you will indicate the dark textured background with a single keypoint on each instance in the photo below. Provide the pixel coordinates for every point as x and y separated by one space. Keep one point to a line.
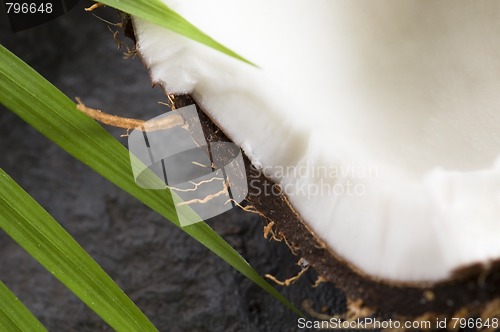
178 283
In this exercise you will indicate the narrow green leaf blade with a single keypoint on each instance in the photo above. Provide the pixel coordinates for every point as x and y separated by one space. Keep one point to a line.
157 12
14 316
45 240
48 110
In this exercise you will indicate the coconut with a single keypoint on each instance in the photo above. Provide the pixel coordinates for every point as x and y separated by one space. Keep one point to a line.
371 132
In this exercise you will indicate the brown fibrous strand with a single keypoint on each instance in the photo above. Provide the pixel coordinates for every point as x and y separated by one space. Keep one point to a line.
130 123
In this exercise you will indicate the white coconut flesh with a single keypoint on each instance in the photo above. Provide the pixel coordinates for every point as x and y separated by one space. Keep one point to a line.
379 119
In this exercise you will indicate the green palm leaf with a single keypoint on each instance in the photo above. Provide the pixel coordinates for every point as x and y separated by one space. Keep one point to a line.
45 240
14 316
157 12
48 110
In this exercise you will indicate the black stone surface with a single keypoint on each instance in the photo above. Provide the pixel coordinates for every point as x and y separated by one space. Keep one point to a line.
179 284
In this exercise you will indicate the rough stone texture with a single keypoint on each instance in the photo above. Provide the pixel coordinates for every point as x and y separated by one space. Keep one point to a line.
178 283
